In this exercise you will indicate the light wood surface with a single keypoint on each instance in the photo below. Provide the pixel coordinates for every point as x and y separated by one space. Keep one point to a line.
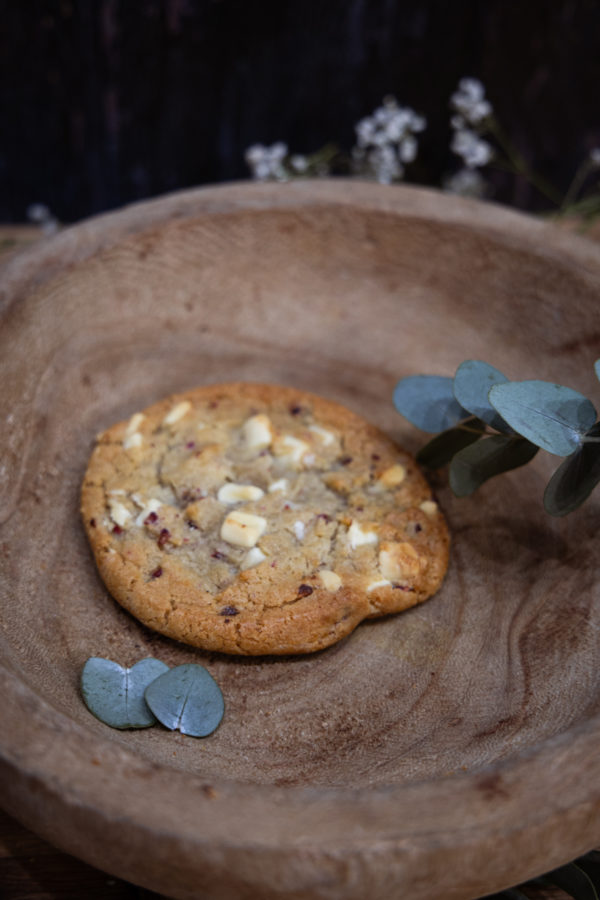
447 752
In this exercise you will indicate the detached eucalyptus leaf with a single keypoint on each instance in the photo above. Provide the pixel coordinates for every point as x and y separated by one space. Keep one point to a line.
115 695
472 384
490 456
428 402
549 415
575 478
573 881
187 698
440 449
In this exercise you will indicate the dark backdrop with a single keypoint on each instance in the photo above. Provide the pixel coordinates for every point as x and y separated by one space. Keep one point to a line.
108 101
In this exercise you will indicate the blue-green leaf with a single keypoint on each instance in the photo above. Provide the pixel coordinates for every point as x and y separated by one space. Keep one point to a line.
472 384
597 369
187 698
115 695
575 478
439 450
428 402
490 456
549 415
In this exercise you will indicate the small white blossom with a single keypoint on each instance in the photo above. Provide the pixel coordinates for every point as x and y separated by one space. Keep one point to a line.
299 163
41 215
267 162
385 141
595 157
466 183
473 151
469 101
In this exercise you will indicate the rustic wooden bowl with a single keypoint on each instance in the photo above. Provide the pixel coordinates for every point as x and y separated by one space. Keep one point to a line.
446 752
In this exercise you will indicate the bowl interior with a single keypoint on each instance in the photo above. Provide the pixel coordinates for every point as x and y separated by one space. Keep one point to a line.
342 301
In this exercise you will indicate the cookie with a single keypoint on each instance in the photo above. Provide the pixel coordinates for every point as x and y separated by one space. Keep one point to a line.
259 519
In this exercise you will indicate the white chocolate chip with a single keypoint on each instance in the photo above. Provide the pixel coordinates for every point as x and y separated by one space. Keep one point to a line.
242 529
326 436
399 560
377 584
429 507
257 433
357 536
177 413
134 424
117 492
393 476
252 558
331 581
299 529
237 493
133 440
290 449
282 484
118 513
151 506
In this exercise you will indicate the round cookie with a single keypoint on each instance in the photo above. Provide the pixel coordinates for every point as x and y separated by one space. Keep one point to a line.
258 519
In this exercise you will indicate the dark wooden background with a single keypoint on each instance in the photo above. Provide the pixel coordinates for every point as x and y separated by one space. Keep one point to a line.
108 101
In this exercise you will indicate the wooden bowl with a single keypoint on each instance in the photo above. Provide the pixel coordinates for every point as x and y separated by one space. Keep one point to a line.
446 752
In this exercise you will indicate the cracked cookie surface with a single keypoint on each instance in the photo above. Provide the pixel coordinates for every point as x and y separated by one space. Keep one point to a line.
259 519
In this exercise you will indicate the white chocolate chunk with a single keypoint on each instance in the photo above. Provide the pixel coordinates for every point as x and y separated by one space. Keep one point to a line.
152 506
290 449
377 584
177 413
393 476
257 433
134 424
282 484
242 529
399 560
429 507
252 558
326 436
133 440
118 513
357 536
299 530
237 493
331 581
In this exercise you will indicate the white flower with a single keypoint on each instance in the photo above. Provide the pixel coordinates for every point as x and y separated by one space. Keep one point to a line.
595 157
385 140
267 162
469 101
466 183
471 148
299 163
41 215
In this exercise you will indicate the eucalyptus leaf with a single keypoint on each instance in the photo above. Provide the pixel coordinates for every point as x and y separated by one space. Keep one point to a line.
573 881
575 478
439 450
115 694
490 456
428 402
472 383
597 369
549 415
187 698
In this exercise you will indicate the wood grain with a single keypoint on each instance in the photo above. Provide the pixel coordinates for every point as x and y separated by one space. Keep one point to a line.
455 745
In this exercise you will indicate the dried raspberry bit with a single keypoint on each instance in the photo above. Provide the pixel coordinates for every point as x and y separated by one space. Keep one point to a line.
191 524
229 611
418 527
324 516
402 587
150 518
117 529
163 537
216 554
157 572
346 460
92 523
295 410
305 590
375 456
190 445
